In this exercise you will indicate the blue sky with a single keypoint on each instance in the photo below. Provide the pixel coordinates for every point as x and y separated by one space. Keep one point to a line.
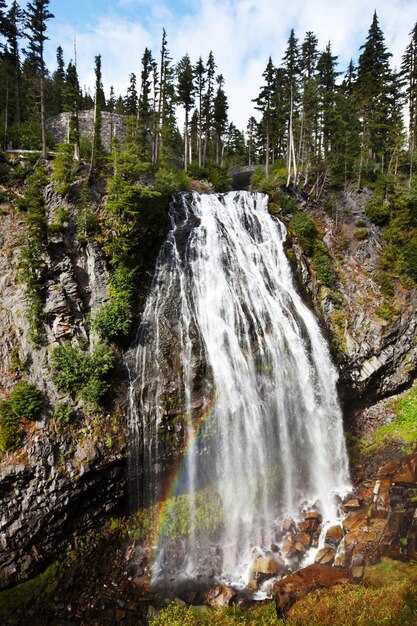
241 33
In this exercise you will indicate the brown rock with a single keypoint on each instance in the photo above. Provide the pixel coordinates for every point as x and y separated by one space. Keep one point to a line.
220 595
315 576
389 469
334 535
302 538
357 520
288 525
313 515
264 565
325 556
357 572
352 504
288 548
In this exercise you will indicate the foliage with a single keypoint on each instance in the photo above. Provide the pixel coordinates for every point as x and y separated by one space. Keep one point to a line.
81 372
11 431
25 401
26 135
168 182
378 211
64 412
63 174
323 265
114 318
215 175
305 229
32 261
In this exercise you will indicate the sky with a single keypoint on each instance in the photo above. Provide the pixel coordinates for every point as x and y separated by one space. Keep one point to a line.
241 33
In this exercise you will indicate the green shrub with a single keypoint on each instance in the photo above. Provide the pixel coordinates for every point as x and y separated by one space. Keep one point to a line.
378 211
324 267
11 432
26 135
113 319
305 229
360 223
169 182
361 234
82 373
63 174
287 203
26 401
64 412
410 259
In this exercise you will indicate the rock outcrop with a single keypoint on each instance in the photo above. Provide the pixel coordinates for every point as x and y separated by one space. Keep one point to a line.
375 343
65 477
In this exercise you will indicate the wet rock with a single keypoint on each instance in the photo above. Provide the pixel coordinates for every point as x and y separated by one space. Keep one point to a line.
325 556
220 595
315 576
334 535
351 505
357 520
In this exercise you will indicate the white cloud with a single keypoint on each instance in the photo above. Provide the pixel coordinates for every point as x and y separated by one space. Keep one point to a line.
241 33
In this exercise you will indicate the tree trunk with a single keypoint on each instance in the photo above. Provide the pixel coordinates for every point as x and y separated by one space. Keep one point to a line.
42 90
186 142
93 146
267 150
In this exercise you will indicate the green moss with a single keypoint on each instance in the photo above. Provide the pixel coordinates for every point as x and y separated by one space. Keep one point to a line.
24 594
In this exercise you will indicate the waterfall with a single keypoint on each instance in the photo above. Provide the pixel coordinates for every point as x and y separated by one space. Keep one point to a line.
230 368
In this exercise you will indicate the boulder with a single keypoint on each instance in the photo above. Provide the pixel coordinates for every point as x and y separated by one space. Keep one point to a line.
325 556
220 595
334 535
315 576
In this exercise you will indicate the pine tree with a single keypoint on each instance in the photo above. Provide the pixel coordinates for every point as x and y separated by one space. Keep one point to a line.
372 92
131 99
185 93
309 104
200 72
99 99
58 82
208 104
326 85
291 66
251 131
264 104
37 14
71 102
409 75
12 24
220 107
145 106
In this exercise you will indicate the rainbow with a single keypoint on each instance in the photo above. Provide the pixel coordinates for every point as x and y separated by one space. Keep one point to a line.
173 484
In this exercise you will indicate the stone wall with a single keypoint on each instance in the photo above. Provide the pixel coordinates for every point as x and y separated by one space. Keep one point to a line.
113 125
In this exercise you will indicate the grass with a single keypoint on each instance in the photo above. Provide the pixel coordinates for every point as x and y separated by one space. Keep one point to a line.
388 596
404 426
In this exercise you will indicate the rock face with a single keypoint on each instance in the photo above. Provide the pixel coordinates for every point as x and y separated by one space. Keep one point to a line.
65 478
376 349
113 126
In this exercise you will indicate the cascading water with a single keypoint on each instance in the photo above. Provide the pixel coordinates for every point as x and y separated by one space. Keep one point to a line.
231 366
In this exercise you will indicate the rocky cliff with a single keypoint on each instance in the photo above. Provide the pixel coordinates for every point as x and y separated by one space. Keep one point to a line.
374 337
65 476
